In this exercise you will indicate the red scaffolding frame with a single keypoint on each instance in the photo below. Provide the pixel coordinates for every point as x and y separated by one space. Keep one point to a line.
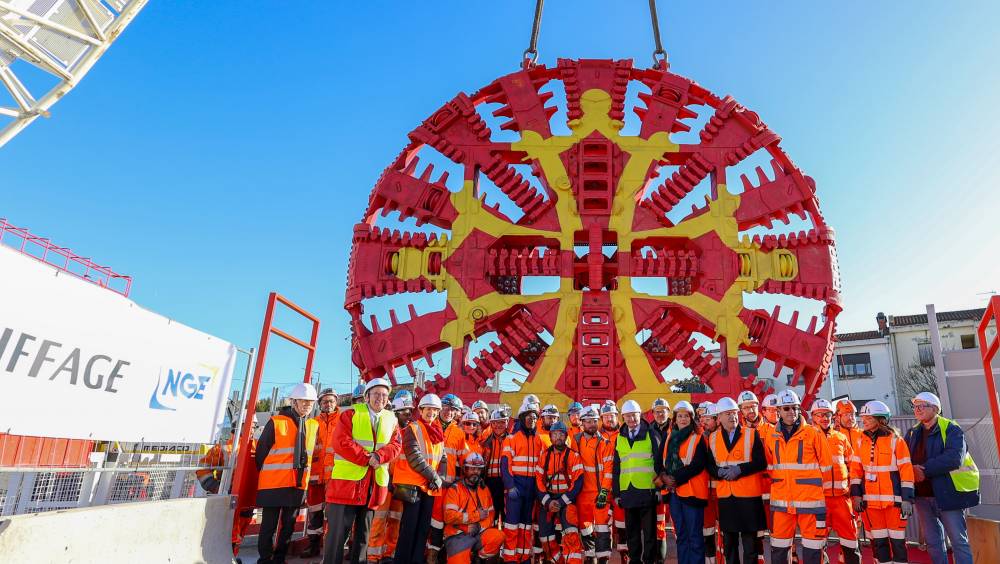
244 482
64 259
989 350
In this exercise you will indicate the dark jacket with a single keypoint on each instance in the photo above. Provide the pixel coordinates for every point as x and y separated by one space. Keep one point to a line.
942 458
283 497
661 430
634 497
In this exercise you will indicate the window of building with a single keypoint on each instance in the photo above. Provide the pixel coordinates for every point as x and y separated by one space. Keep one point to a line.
855 365
926 353
968 341
748 368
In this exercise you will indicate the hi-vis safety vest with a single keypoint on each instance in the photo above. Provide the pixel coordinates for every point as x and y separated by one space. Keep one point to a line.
698 485
966 477
361 431
403 473
278 470
636 463
744 486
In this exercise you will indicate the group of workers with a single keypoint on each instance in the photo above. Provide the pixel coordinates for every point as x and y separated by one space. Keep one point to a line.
434 481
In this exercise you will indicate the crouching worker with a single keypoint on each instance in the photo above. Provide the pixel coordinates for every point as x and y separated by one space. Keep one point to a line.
468 517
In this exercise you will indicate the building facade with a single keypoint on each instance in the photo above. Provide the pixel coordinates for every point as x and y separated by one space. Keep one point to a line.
887 363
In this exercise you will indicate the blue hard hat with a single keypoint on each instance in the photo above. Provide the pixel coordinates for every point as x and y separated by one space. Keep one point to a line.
359 391
575 407
451 400
558 426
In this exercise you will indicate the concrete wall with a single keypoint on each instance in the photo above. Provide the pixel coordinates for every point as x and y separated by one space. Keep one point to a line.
907 339
967 383
178 531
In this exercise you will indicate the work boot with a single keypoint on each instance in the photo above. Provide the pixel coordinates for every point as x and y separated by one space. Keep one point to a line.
314 547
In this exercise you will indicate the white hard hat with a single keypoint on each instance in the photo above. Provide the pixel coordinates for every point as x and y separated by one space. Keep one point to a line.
770 400
303 391
402 402
527 407
876 408
726 404
589 413
498 415
609 407
684 405
660 403
430 400
631 406
376 382
746 396
821 404
550 410
788 397
927 397
470 416
479 404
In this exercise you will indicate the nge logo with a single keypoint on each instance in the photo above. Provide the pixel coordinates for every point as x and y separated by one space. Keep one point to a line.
179 386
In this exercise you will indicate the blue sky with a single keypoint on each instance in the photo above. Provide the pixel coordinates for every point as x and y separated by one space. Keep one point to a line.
221 150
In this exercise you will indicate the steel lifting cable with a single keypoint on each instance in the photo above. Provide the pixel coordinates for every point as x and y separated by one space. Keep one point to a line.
659 55
531 53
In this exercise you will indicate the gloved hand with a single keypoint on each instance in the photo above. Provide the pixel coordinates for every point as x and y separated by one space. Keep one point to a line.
434 484
210 484
726 472
602 499
857 504
483 513
513 493
734 472
905 509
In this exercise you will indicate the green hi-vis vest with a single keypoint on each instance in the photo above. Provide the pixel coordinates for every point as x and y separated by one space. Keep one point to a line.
361 424
966 477
636 463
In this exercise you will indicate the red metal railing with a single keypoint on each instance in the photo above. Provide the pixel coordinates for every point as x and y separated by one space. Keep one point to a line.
989 350
63 259
244 484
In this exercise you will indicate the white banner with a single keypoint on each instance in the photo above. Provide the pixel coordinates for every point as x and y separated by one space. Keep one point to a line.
81 362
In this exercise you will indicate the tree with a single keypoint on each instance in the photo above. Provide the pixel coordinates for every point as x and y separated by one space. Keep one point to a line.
912 381
264 405
690 385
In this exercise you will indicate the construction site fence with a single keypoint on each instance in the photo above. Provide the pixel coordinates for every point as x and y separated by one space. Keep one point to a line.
112 473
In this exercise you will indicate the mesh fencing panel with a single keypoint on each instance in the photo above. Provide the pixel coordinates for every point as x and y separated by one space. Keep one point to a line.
116 473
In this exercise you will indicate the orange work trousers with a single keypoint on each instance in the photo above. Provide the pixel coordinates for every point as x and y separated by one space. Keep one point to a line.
384 530
486 543
888 533
595 526
813 529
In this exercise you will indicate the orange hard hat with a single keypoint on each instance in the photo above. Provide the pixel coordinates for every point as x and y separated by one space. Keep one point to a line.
845 405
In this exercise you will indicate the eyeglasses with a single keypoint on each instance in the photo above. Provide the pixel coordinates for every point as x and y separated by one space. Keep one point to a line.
470 424
922 406
789 408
